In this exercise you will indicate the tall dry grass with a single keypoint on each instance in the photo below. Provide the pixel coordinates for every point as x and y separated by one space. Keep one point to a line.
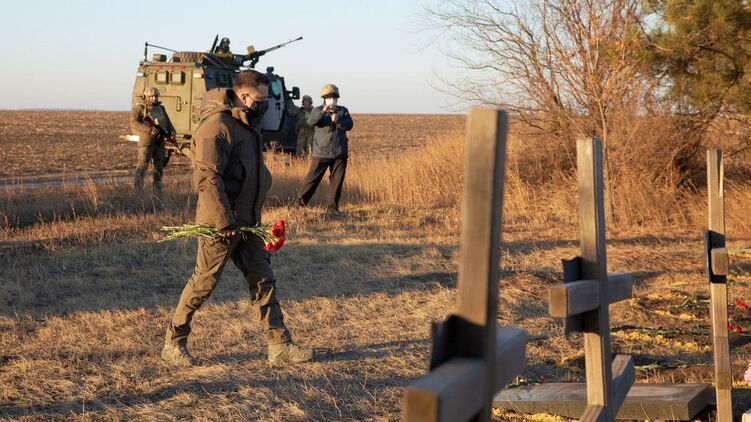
428 178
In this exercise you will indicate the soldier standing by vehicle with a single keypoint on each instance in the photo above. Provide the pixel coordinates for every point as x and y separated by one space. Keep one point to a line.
304 131
330 124
146 119
223 47
291 111
232 182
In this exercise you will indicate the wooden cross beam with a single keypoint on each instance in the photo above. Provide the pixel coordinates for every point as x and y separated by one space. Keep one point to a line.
588 290
717 270
472 358
575 298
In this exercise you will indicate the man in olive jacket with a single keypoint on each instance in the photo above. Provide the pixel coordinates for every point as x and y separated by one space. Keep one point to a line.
150 138
232 181
330 123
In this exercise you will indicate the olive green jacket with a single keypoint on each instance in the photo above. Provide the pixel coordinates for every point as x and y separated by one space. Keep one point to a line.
147 136
228 170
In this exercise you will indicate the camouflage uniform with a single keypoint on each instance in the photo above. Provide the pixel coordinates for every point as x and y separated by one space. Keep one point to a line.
304 132
150 140
292 111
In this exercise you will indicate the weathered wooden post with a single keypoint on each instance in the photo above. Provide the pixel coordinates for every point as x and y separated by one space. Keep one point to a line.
472 358
590 295
717 271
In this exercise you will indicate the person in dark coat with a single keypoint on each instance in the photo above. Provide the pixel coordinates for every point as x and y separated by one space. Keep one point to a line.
330 151
232 182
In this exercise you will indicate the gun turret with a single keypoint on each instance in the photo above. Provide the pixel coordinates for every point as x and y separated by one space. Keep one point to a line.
253 56
213 45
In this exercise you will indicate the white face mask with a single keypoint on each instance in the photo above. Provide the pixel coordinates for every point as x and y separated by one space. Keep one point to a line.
331 101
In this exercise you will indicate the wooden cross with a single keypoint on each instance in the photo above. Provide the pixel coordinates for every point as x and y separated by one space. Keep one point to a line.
717 271
588 290
583 300
471 358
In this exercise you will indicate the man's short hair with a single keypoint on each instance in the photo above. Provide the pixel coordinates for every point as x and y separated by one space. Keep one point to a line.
250 79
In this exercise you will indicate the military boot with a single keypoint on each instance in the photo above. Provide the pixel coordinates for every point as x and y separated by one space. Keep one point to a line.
288 353
178 355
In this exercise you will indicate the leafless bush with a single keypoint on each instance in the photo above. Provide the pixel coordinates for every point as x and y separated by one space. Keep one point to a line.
566 69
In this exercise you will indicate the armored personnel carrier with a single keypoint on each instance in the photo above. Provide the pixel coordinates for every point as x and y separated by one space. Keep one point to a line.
185 77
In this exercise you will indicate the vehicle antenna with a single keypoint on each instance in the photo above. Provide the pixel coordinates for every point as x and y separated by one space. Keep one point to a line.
163 48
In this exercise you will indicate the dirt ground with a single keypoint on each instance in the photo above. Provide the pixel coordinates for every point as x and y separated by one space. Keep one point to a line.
39 142
86 291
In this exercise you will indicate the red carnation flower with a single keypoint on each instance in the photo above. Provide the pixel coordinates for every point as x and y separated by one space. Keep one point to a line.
276 233
735 328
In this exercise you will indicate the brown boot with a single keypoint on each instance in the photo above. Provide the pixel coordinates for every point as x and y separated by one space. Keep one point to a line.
178 355
288 353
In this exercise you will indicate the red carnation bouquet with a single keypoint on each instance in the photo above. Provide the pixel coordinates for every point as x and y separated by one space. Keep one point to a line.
272 235
276 240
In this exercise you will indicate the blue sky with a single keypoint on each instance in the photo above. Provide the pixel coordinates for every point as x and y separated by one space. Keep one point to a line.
84 54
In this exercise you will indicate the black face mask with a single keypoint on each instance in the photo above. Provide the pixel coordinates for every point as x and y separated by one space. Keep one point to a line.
258 108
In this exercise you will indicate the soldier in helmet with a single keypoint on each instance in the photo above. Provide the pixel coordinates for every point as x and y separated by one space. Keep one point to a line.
304 131
146 119
223 47
223 52
330 123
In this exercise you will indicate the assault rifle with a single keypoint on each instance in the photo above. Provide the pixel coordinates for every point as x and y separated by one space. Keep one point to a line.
168 138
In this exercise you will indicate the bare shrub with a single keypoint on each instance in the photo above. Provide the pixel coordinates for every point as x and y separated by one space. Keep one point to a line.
567 69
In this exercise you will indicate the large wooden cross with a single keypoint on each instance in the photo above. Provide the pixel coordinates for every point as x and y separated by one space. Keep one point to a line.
717 271
588 290
472 359
583 300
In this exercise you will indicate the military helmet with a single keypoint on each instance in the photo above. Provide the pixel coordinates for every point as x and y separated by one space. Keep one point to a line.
151 92
224 41
329 90
307 97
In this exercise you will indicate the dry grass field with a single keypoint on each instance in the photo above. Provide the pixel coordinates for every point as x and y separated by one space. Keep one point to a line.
85 290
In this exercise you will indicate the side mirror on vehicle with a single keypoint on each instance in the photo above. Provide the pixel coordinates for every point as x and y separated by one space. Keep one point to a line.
295 93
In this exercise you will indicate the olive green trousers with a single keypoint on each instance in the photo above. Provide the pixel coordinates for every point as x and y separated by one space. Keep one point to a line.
153 153
304 143
253 261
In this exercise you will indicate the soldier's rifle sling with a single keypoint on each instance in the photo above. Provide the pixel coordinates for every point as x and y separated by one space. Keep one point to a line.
163 131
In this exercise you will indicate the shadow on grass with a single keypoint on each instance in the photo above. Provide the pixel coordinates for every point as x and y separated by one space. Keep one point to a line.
355 354
527 245
286 390
112 274
148 275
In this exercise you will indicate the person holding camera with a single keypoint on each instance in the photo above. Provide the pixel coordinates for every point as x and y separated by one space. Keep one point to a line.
330 151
